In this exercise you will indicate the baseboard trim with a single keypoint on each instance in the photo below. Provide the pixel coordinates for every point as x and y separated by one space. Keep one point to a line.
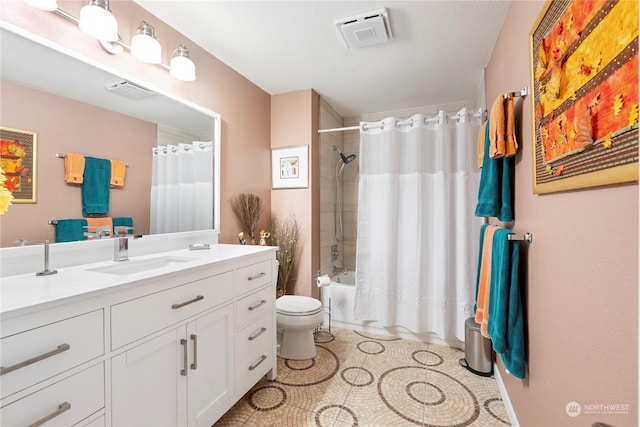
511 413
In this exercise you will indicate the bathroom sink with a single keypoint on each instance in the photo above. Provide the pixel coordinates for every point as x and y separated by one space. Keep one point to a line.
139 266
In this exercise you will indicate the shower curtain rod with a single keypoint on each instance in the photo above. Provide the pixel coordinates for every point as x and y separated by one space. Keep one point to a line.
480 113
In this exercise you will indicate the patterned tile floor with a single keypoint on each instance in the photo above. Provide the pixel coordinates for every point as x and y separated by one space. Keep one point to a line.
359 379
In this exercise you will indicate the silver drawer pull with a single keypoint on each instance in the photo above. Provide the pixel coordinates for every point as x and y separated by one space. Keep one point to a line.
194 338
257 276
61 348
253 307
63 407
255 365
182 304
257 334
183 371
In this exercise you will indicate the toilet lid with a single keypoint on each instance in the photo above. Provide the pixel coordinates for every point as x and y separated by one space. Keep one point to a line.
297 305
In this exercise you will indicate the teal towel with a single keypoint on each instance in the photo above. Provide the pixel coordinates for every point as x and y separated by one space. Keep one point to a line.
123 221
483 228
95 186
505 325
70 230
495 192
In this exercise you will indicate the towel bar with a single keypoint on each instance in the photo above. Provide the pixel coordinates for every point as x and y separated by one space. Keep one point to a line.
527 237
521 93
62 156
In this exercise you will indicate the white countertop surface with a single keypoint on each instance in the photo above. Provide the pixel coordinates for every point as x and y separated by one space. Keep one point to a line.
28 290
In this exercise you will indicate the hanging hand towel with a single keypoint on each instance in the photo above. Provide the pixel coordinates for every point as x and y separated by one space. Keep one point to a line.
511 144
481 134
118 171
70 230
495 197
484 281
73 168
95 188
496 128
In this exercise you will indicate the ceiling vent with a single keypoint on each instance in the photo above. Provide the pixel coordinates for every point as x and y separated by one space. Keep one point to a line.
130 90
365 29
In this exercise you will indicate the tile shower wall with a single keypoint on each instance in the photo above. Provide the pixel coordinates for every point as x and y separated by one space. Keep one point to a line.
349 142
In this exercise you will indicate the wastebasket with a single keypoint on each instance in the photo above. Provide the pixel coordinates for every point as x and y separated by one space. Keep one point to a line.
478 355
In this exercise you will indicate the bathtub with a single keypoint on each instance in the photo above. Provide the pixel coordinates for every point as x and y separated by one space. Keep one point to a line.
339 300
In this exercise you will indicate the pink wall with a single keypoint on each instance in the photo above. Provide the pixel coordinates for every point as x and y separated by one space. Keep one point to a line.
294 121
64 125
245 108
582 270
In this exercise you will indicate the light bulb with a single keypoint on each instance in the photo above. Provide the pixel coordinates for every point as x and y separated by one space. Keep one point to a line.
97 21
181 66
145 46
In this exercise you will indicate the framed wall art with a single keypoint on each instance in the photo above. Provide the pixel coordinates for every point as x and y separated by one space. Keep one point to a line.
584 80
18 159
290 167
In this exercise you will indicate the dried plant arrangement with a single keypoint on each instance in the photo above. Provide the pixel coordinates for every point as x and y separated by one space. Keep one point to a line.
285 234
248 208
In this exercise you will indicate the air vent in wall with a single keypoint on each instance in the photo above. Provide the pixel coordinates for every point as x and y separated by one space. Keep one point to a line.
130 90
365 29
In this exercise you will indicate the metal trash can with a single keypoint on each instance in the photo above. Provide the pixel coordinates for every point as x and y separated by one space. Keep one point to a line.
477 350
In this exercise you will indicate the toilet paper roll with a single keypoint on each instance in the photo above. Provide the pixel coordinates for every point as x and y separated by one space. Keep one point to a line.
323 281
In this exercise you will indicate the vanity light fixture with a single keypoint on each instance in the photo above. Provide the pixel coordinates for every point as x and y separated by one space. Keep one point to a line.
181 67
144 44
97 21
48 5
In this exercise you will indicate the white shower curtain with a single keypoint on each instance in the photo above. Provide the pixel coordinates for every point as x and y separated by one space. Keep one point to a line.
417 239
182 187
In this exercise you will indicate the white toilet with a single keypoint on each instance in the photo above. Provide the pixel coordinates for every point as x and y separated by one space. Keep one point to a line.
296 318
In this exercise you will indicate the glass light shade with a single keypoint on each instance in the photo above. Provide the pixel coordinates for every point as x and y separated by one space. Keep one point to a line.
145 46
97 21
181 66
48 5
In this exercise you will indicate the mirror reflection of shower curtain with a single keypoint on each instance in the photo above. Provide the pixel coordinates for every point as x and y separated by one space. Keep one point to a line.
417 239
182 188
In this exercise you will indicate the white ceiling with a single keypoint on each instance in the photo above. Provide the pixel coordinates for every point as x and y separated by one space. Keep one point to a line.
436 56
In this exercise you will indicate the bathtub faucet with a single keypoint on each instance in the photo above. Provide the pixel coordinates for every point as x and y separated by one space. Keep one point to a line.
337 270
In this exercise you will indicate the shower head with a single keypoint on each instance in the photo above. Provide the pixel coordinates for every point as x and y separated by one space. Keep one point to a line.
345 159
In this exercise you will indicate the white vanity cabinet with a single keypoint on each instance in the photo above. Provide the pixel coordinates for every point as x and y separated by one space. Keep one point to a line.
184 375
178 348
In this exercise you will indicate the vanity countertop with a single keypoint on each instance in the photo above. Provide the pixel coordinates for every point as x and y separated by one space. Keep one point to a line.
27 290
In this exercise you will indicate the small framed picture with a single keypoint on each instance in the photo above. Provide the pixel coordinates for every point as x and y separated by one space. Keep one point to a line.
290 167
18 159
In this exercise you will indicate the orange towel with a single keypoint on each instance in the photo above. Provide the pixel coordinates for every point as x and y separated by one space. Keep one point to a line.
73 168
93 225
496 129
481 134
118 171
511 145
484 283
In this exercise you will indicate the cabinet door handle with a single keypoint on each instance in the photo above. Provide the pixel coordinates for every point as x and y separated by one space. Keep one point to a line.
61 348
253 307
255 365
191 301
183 342
257 276
65 406
257 334
194 338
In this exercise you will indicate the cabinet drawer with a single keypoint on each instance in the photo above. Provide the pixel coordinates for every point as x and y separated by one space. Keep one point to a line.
252 277
251 368
68 401
140 317
253 306
256 335
37 354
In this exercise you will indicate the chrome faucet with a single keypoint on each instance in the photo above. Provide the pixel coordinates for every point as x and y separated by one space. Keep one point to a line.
46 271
121 248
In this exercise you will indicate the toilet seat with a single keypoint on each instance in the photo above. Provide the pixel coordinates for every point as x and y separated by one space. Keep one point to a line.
296 305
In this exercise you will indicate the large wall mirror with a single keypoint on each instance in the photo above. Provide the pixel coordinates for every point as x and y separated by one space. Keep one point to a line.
66 102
